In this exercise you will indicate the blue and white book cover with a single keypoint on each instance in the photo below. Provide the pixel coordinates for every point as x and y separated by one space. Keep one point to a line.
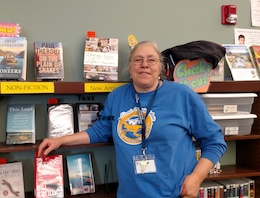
20 124
80 174
13 58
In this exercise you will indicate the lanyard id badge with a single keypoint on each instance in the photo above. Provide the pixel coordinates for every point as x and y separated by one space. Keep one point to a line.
144 163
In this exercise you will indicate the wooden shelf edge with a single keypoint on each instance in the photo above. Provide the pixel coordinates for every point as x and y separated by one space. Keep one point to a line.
33 147
64 87
68 87
234 86
234 171
242 137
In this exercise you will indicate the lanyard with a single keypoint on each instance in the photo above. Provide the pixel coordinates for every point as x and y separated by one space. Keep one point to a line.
142 119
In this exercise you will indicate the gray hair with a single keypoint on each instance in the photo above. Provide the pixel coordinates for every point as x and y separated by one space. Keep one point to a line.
154 45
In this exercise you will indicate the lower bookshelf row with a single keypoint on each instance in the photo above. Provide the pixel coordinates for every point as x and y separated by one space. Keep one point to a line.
238 187
229 171
101 192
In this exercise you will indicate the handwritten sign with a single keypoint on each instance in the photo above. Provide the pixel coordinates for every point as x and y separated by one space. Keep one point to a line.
9 30
99 58
195 74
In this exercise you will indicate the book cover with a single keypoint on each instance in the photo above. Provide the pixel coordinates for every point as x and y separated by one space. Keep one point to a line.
80 173
60 120
48 177
101 59
255 51
13 58
239 60
20 124
87 115
12 180
48 61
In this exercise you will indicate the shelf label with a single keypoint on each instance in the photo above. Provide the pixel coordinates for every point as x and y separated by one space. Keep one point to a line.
231 130
26 87
230 108
101 87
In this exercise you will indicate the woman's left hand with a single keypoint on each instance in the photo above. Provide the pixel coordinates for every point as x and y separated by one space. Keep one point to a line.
190 187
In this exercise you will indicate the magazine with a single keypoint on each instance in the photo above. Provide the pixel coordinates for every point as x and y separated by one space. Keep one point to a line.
80 173
48 177
101 59
240 62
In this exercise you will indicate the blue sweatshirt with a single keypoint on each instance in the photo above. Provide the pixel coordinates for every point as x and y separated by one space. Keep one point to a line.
177 115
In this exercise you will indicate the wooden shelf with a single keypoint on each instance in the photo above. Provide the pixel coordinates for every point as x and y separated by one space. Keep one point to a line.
234 87
68 87
33 147
62 87
247 164
227 86
242 137
233 171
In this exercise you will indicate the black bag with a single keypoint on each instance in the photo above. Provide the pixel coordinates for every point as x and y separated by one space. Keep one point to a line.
211 52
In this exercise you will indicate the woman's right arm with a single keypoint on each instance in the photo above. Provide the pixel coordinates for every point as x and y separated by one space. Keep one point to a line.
50 144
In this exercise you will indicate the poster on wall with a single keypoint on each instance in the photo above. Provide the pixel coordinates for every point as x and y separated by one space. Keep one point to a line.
246 36
255 9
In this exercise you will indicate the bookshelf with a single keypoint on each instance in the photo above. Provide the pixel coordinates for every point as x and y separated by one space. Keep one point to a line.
247 147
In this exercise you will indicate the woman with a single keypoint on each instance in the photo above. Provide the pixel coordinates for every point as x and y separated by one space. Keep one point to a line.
154 123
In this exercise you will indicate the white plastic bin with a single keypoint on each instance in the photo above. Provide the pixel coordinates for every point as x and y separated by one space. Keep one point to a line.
235 124
229 102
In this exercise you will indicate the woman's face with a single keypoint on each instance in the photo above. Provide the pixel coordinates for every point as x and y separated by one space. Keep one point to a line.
145 68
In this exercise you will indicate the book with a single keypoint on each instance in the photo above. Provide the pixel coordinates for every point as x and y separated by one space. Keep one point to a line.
239 60
251 186
101 59
13 58
231 187
211 189
198 153
80 174
12 180
255 51
20 124
48 61
244 187
60 120
48 177
87 115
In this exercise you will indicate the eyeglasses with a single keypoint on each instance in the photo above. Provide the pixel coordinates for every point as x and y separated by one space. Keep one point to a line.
139 61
